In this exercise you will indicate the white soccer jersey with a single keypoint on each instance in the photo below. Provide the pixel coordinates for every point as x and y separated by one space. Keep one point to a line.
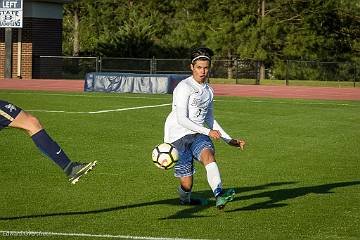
192 108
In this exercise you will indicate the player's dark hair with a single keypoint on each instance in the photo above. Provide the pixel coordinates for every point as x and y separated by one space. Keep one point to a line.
201 53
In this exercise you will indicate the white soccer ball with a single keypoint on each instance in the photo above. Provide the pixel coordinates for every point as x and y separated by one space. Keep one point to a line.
165 156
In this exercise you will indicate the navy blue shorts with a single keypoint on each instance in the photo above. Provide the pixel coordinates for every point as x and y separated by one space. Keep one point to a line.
8 112
190 148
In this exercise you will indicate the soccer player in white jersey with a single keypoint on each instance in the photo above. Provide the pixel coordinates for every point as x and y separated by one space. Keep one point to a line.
14 117
189 127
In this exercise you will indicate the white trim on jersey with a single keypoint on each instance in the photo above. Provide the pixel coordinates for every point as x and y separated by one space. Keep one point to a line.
7 116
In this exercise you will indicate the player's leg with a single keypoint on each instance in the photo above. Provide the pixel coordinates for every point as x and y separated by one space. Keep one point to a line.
185 189
214 179
15 117
50 148
41 139
207 158
204 151
26 121
184 171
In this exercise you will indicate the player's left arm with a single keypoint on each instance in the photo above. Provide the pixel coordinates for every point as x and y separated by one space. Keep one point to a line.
214 125
239 143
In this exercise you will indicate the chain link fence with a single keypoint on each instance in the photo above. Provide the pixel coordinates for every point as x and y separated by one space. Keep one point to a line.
61 67
236 70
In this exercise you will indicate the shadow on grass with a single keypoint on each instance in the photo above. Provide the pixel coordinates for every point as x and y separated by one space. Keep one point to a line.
275 199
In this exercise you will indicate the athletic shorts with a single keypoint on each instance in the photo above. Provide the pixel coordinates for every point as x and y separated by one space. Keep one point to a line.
8 112
190 148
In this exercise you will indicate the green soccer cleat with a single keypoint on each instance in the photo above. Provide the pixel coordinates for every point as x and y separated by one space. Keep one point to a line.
76 170
224 198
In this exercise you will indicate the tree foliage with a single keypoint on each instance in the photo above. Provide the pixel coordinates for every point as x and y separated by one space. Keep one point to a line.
321 30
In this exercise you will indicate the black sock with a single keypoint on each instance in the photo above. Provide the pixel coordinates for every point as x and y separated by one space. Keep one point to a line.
50 148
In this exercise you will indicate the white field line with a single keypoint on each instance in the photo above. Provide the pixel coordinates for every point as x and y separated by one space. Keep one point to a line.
110 174
44 234
101 111
168 104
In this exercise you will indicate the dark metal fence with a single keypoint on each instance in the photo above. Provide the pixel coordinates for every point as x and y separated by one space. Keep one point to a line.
61 67
242 71
127 65
48 67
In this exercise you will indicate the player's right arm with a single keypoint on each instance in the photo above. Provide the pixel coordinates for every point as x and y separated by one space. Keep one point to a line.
215 134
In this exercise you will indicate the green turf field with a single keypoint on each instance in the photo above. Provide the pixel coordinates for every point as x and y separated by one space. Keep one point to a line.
299 177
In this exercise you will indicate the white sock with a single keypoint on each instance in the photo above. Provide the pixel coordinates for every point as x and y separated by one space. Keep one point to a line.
184 196
213 177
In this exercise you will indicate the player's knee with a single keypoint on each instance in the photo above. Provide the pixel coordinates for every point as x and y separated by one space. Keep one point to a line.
207 156
186 187
33 123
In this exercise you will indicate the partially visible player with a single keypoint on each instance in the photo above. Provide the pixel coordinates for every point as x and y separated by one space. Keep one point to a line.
189 127
14 117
